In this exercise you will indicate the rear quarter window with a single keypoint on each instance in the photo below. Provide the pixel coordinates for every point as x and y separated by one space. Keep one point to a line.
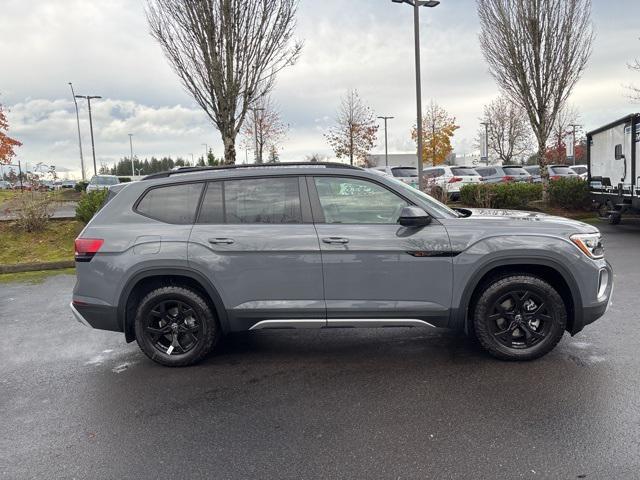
171 204
513 171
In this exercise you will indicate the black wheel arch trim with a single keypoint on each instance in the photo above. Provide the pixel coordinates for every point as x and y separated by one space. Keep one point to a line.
207 286
460 318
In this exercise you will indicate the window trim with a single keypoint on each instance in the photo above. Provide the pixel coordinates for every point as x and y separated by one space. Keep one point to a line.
165 185
305 207
316 206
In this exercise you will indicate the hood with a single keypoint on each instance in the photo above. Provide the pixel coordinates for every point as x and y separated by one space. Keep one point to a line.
519 219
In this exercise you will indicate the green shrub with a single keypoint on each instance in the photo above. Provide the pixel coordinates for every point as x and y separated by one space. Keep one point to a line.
572 193
89 204
124 179
81 186
515 195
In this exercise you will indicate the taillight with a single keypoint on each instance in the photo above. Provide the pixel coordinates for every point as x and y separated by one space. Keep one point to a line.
507 178
455 179
86 248
554 177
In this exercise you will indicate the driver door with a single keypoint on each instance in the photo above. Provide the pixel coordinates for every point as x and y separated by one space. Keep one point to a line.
374 268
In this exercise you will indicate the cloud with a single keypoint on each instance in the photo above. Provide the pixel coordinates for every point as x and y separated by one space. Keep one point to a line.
104 48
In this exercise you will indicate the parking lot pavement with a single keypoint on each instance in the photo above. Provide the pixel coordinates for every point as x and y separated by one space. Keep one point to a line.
79 403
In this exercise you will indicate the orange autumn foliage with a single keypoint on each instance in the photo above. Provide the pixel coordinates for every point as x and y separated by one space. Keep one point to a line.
7 144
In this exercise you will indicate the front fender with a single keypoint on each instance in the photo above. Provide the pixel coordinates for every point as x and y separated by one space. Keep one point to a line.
475 262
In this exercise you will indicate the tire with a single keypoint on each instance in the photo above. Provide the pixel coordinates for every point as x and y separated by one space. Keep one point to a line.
519 317
174 326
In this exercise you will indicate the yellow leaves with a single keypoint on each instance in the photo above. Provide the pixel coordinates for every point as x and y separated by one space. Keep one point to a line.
438 127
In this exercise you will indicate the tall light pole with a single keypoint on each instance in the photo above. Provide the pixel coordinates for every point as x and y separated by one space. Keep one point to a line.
73 94
255 131
206 153
416 4
93 145
573 147
133 170
486 142
386 150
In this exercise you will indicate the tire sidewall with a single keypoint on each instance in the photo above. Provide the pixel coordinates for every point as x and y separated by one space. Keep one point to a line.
208 325
499 288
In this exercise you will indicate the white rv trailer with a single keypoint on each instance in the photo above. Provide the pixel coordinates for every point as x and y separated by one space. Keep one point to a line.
613 160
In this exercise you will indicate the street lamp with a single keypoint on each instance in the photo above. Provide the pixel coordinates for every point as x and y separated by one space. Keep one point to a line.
93 146
255 131
73 94
486 142
573 145
386 151
416 4
206 153
133 170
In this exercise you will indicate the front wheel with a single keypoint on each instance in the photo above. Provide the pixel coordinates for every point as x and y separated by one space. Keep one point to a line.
175 326
519 317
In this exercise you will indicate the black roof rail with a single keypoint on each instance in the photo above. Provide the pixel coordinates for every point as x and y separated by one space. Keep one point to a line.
250 166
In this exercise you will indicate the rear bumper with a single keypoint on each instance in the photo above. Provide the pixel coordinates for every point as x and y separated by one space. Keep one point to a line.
96 316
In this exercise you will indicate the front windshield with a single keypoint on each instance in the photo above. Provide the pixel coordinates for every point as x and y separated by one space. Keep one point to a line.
106 180
434 205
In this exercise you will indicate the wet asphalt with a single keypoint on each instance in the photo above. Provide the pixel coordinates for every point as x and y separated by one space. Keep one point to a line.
389 404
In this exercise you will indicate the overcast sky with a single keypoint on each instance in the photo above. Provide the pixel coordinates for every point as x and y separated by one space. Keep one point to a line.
104 48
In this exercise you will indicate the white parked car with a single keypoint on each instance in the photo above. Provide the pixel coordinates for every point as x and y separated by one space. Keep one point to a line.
580 170
451 178
102 182
408 175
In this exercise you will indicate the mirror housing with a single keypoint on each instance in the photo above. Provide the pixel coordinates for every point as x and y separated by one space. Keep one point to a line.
618 152
414 217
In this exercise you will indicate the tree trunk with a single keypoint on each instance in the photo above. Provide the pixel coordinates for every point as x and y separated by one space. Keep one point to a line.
229 148
542 163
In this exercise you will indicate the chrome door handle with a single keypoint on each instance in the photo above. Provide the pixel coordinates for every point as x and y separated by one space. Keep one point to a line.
221 241
335 240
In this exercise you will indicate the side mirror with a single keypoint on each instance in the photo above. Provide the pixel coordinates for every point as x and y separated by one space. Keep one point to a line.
414 217
619 154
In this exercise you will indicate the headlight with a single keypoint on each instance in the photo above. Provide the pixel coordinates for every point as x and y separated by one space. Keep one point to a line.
589 243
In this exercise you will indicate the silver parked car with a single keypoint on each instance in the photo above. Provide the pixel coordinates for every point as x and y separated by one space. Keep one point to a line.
503 173
180 258
102 182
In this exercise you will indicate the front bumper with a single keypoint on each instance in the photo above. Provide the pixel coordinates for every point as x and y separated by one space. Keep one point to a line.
592 312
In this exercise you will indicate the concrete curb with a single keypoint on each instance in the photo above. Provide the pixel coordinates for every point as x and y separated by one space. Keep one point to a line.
33 267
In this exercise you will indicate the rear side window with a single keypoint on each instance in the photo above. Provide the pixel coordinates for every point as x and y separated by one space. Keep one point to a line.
252 200
171 204
486 172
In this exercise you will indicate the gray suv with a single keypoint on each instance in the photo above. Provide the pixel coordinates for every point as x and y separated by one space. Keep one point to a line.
180 258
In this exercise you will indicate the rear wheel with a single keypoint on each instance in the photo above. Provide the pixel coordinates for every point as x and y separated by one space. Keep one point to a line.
175 326
519 317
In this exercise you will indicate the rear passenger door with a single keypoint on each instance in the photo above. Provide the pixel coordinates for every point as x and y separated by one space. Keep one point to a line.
254 238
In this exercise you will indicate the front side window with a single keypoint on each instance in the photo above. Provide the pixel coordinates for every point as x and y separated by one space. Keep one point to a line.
171 204
354 201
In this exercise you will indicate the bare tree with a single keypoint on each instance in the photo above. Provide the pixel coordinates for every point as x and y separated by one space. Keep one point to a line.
226 53
537 51
354 134
264 128
634 91
508 129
